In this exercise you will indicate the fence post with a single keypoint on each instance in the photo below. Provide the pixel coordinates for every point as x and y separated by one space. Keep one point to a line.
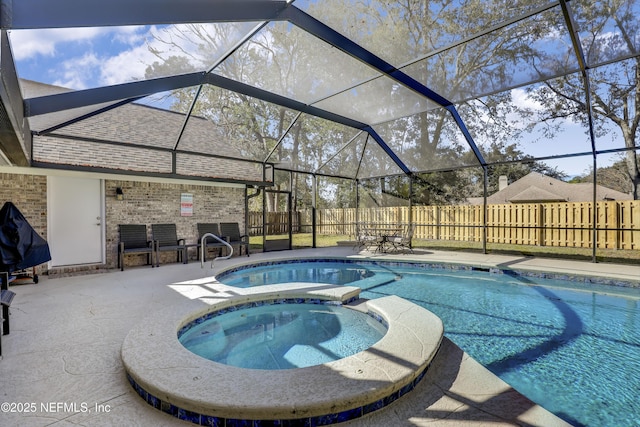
540 225
438 222
485 208
618 225
314 205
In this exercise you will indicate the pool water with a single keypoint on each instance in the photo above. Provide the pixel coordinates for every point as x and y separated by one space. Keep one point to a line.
571 347
283 336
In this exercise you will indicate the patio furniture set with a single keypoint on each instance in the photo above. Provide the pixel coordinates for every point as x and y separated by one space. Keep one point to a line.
164 238
384 238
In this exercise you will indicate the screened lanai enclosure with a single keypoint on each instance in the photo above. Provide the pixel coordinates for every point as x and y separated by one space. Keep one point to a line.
479 122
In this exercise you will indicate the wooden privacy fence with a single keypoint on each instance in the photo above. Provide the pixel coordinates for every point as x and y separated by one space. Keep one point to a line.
277 222
541 224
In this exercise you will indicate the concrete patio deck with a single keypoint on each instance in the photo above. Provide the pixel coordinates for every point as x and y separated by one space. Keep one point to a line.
62 364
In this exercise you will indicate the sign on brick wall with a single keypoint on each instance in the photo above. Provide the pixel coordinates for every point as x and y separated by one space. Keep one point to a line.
186 204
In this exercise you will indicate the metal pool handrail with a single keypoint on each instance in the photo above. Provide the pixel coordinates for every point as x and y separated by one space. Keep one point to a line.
203 248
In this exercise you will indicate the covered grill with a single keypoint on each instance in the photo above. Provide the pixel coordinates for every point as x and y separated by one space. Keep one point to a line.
20 246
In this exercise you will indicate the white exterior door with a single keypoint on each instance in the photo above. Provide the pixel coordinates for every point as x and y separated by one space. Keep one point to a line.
75 211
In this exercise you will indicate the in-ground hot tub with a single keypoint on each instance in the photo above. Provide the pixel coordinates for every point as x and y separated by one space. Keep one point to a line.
190 387
282 334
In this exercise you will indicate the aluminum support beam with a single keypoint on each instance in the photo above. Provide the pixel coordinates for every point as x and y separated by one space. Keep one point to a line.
82 98
70 13
36 14
283 101
388 150
220 60
323 32
463 128
135 90
82 117
582 62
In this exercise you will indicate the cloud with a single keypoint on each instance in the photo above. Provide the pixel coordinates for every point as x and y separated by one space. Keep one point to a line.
131 63
127 66
89 57
27 44
131 35
522 100
73 73
81 58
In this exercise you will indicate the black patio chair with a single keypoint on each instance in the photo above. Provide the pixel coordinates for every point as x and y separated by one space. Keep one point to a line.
133 240
210 243
166 239
230 231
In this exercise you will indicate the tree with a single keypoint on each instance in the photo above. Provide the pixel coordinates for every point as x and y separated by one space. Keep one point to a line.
615 177
290 62
611 27
272 60
431 140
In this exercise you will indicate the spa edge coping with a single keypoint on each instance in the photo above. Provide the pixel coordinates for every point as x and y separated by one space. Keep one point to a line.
158 363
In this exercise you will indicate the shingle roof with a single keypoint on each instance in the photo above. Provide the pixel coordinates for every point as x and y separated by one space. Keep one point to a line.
536 187
127 131
535 194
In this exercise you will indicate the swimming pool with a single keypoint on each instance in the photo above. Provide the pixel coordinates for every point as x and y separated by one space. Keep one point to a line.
572 347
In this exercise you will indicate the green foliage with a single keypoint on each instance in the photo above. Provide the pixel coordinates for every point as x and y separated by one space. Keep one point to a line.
615 176
477 75
606 30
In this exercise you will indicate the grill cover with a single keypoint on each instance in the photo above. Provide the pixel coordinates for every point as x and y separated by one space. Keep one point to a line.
20 246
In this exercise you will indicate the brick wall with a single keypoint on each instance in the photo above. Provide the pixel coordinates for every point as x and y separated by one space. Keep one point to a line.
149 203
84 153
29 194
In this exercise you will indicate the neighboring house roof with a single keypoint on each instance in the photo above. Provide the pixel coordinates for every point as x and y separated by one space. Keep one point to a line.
535 194
538 188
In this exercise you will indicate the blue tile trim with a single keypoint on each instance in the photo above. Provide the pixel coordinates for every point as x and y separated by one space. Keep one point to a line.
442 266
321 420
242 306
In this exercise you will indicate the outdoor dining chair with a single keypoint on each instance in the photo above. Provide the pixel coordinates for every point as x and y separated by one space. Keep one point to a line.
403 241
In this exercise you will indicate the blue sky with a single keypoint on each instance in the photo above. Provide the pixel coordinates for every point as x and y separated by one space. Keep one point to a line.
82 58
